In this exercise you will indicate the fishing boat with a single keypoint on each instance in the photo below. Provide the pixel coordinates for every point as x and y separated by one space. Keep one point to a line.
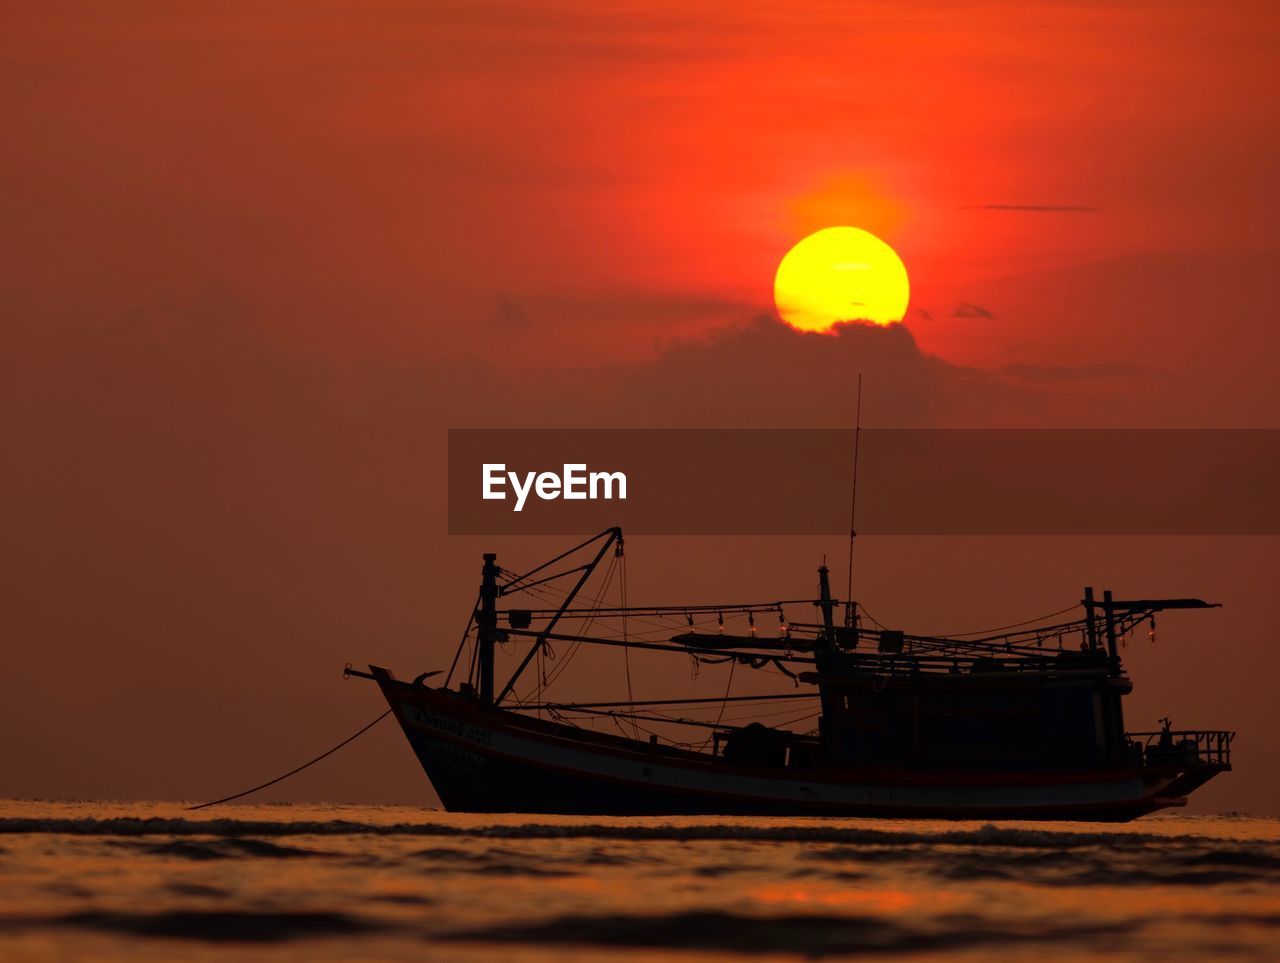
1025 722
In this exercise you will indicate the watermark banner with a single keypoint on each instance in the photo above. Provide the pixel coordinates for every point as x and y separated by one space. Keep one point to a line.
909 481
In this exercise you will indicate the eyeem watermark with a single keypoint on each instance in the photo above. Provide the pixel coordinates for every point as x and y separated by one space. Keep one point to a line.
705 481
574 483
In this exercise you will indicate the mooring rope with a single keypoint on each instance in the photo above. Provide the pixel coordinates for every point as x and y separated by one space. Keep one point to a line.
294 772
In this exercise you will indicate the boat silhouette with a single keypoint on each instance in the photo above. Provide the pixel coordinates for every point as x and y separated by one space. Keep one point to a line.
1023 723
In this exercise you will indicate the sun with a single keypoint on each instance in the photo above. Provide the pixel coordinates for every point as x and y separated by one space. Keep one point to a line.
840 274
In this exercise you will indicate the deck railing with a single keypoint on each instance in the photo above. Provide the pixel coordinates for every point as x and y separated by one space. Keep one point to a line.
1207 746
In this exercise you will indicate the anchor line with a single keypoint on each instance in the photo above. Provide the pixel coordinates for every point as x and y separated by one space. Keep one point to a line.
294 772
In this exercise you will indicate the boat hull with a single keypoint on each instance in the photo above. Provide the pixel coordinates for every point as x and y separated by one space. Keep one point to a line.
484 760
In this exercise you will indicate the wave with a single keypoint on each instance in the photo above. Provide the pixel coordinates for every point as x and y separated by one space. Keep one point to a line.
230 847
1084 871
1197 862
1035 856
988 835
218 926
805 934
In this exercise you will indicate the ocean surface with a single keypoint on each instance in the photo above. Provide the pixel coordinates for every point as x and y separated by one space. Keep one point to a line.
90 881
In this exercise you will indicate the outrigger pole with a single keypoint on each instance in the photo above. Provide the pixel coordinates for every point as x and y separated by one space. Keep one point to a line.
490 587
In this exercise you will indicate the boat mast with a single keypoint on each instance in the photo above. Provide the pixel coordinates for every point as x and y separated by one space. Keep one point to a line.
487 624
1109 614
826 603
824 657
1091 626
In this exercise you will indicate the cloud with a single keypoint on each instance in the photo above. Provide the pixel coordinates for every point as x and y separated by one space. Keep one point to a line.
967 309
511 314
1040 208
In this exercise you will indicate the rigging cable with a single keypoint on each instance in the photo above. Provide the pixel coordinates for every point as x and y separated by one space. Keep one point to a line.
963 635
465 633
293 772
1015 625
729 685
626 649
589 619
587 623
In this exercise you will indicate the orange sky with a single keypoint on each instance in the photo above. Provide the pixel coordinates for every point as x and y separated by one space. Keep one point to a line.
397 176
255 258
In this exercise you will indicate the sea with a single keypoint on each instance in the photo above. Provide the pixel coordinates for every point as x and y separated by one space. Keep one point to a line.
142 881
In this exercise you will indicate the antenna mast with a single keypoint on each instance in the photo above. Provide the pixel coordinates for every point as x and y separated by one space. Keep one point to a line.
849 610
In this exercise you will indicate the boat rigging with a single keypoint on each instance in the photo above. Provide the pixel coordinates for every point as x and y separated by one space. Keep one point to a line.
1024 720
